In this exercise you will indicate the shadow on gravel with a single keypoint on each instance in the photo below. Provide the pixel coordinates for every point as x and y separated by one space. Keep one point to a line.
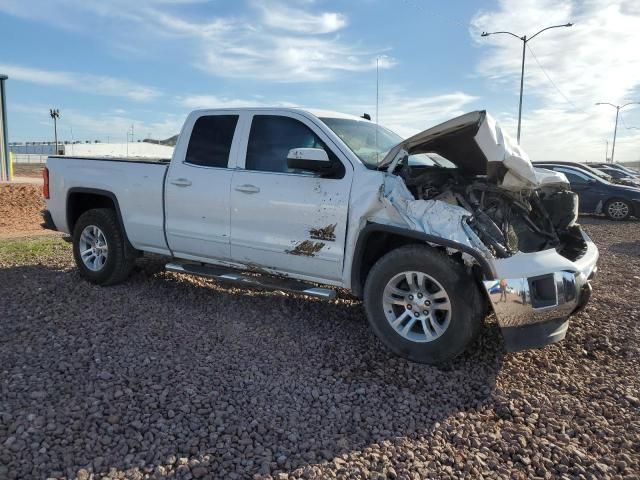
626 248
592 219
168 374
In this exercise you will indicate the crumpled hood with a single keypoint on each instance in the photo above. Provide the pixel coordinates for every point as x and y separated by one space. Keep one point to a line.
477 145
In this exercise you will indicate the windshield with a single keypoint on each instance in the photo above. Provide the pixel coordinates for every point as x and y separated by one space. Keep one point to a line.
630 171
370 142
615 173
599 173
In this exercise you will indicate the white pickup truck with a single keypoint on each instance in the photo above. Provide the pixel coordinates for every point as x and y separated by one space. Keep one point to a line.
432 232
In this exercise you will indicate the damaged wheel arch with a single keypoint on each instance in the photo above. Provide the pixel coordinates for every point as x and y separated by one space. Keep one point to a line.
367 252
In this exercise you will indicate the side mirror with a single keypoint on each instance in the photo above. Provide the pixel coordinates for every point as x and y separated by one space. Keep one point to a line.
312 159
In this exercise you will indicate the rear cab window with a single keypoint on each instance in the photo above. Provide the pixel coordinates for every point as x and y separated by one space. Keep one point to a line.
210 141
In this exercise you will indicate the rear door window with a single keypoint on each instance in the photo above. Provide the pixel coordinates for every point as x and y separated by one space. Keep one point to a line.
210 141
573 177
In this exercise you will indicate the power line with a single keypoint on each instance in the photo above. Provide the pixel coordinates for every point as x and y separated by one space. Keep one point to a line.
626 126
554 83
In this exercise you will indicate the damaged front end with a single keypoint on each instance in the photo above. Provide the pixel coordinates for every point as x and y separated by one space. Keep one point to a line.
522 219
507 222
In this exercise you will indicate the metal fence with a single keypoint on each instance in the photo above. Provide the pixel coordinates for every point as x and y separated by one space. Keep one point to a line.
29 158
34 148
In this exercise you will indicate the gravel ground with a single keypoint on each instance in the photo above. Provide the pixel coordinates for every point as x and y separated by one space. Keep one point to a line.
167 376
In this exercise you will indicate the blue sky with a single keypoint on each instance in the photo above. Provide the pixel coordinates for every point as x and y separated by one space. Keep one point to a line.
110 64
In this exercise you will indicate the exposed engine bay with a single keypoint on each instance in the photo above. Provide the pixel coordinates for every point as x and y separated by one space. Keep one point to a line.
493 198
506 221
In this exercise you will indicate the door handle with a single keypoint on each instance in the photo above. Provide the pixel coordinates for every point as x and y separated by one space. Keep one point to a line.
246 188
181 182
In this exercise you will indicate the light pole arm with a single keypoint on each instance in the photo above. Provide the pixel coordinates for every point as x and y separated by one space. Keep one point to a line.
630 103
524 41
607 103
569 24
486 34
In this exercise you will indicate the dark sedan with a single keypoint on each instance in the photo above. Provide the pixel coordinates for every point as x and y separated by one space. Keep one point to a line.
596 194
617 166
621 176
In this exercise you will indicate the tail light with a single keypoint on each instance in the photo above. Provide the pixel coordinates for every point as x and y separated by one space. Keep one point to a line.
45 185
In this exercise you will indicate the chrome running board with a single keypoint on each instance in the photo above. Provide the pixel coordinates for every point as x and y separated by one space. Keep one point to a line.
257 280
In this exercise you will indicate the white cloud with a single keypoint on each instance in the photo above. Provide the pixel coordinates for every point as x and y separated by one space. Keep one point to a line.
297 20
273 40
254 55
283 44
112 125
407 115
95 84
214 101
595 60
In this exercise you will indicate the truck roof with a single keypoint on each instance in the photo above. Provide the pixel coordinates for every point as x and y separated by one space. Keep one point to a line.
313 111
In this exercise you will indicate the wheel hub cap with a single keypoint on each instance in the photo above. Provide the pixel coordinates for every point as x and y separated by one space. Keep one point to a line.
417 306
618 210
94 249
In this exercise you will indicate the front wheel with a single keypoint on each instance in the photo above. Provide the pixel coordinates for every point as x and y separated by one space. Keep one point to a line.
102 253
617 209
422 304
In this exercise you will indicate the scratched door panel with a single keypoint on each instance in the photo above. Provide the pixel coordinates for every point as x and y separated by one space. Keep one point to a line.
294 223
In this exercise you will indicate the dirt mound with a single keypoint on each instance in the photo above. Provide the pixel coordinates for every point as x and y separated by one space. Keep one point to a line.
20 209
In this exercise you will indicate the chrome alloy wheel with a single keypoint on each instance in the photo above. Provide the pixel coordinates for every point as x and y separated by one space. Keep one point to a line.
416 306
93 248
618 210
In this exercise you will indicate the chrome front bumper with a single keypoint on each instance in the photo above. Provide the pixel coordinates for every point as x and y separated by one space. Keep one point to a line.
533 310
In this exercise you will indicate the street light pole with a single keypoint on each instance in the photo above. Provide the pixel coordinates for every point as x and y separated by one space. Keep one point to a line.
615 129
524 41
5 161
524 52
55 114
615 133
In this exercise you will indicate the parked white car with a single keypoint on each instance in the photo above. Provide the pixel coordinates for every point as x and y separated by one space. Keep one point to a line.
432 232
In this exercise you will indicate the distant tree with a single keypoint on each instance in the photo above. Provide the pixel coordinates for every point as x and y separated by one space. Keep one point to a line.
96 141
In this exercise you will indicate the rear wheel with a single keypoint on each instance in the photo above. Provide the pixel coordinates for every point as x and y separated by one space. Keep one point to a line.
617 209
422 304
102 253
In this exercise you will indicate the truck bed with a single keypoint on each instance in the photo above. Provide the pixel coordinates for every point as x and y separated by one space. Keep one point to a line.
135 184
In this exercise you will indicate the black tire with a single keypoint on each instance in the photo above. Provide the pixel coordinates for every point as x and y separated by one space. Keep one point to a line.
466 315
624 204
121 255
